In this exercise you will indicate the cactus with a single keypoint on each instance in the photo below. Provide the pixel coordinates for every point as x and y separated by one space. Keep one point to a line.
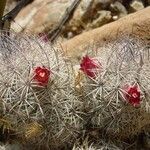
116 83
48 102
37 94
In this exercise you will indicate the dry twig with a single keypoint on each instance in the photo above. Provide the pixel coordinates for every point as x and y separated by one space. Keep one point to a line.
54 33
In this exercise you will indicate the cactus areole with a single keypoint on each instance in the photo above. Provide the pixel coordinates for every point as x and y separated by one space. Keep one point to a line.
41 75
89 66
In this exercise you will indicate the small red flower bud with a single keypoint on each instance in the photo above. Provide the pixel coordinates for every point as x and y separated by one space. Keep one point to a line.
41 75
89 66
132 95
43 37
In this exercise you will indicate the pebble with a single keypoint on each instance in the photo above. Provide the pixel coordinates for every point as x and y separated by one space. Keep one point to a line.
103 18
118 9
136 5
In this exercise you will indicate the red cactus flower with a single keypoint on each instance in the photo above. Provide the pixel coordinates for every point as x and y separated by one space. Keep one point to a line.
89 66
41 75
132 95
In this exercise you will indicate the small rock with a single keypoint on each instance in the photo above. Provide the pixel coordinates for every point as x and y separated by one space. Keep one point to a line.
92 6
85 5
103 4
136 5
103 18
95 5
70 35
10 5
115 17
118 9
83 11
2 147
40 16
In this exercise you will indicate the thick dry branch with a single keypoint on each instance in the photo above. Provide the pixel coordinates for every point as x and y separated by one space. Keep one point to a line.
13 13
137 23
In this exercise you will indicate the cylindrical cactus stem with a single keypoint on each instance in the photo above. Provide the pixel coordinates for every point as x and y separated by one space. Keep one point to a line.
49 104
37 92
116 86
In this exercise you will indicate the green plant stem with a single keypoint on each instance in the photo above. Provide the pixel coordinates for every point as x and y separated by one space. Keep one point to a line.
2 7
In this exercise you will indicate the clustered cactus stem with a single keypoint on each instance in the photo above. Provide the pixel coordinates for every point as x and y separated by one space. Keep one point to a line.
49 102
